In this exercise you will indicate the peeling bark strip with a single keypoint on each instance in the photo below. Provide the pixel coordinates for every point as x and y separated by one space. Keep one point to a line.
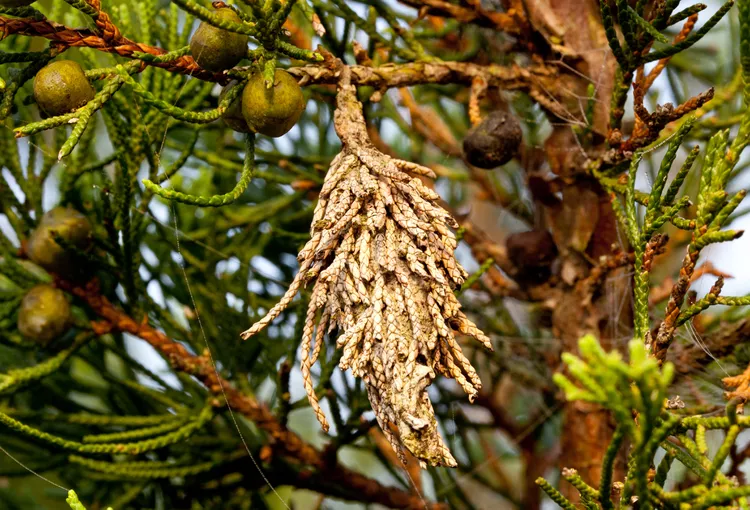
381 259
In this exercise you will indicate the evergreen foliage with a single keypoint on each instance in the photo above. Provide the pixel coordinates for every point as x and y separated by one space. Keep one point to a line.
333 226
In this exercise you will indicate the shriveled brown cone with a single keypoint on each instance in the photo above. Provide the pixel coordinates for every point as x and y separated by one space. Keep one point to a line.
383 271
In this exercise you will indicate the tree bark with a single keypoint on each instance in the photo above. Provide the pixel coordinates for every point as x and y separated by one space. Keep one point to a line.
582 222
583 308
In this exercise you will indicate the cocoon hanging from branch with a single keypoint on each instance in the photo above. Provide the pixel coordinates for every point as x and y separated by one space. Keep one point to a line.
383 272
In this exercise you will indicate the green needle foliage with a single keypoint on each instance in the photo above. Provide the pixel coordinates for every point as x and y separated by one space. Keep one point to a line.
75 503
636 393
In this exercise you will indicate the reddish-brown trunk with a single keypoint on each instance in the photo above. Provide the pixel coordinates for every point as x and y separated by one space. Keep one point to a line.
587 429
582 222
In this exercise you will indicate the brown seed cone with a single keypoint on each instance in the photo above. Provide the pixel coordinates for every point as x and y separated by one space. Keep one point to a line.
494 141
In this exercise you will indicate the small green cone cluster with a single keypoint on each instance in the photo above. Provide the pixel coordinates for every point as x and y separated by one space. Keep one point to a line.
62 87
268 111
215 49
44 314
68 224
233 115
272 111
494 141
